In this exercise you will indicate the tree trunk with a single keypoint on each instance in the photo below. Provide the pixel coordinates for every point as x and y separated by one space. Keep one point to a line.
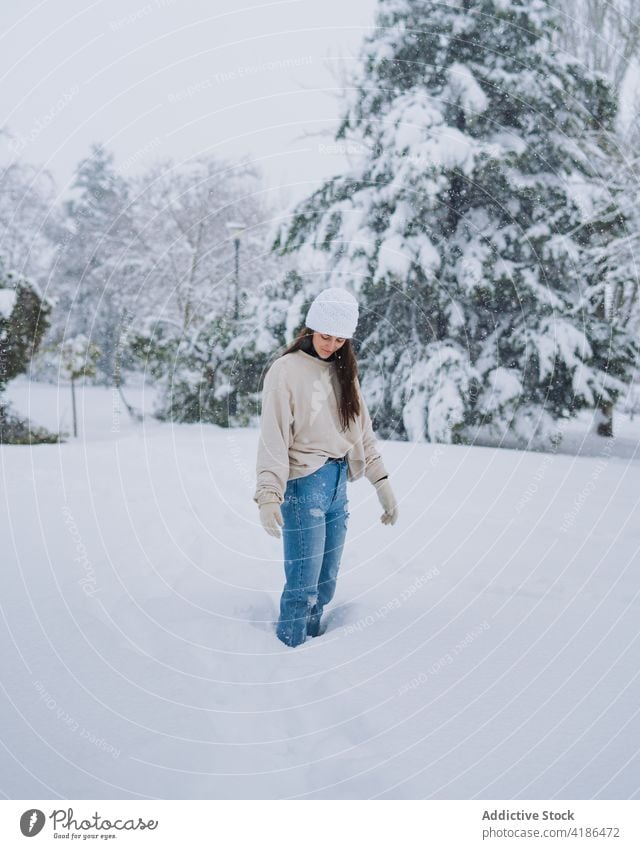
604 419
73 404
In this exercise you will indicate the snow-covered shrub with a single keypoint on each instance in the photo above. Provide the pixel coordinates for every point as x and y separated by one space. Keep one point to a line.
23 321
212 372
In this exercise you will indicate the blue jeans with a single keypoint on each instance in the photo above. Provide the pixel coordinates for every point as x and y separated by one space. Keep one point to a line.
315 513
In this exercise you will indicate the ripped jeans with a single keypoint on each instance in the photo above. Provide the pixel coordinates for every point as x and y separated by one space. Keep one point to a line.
315 513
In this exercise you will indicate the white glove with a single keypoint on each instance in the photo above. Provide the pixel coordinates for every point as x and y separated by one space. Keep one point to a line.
271 517
388 501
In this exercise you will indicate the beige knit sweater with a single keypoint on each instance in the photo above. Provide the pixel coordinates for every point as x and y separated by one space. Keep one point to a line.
300 427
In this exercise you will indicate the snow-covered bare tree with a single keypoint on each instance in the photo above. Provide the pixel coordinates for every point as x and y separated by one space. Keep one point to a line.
605 36
78 357
182 212
186 332
29 216
464 229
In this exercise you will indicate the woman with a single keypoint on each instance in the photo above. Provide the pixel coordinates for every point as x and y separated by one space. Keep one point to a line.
315 435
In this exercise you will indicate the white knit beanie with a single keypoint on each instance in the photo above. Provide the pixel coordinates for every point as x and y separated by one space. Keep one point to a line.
334 312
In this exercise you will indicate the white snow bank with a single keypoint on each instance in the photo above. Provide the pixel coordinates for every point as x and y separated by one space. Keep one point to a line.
483 647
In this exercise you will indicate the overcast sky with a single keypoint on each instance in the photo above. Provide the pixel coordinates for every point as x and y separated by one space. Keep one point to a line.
180 77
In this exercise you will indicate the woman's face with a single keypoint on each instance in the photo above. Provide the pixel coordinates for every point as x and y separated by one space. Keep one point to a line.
325 345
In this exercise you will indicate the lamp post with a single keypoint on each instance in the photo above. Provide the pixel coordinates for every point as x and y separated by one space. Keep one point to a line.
236 229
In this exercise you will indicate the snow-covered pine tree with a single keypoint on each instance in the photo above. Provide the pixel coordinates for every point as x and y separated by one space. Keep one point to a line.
462 229
93 277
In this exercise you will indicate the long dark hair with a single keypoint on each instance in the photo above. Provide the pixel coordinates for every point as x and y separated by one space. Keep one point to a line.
346 370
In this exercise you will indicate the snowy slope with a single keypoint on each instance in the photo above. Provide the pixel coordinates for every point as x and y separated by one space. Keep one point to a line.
484 647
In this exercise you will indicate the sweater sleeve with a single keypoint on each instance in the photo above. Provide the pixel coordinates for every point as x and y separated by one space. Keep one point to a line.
374 468
272 466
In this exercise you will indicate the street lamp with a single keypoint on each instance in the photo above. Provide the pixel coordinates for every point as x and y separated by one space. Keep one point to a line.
236 229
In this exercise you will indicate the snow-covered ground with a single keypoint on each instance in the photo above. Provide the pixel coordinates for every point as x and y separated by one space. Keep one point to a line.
486 646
